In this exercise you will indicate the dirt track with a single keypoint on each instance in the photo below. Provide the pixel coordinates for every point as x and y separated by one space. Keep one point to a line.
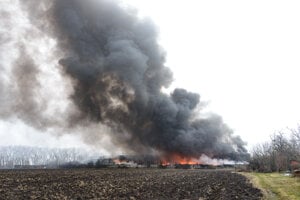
125 184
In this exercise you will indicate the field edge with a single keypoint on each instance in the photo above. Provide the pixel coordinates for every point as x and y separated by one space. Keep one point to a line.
258 183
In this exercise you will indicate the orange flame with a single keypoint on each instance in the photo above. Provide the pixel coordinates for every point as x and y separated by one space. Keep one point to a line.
178 159
117 161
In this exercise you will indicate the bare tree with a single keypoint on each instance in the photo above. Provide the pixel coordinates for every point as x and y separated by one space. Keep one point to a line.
295 142
277 155
11 156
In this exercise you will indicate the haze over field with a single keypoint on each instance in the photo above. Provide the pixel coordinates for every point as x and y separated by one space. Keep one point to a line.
241 58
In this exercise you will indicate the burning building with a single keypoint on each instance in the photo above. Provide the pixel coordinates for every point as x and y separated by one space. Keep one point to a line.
116 70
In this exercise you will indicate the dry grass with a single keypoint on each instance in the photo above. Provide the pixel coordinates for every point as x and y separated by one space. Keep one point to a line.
276 186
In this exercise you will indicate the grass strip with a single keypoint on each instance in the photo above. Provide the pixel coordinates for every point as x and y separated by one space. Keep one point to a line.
276 186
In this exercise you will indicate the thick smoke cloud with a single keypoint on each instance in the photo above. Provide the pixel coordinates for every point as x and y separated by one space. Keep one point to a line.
117 72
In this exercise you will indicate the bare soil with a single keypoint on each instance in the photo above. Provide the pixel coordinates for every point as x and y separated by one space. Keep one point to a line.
125 184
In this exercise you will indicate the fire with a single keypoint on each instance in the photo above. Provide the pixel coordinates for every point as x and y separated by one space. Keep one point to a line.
117 161
178 159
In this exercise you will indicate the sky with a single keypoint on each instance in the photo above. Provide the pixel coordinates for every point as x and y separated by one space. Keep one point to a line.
242 57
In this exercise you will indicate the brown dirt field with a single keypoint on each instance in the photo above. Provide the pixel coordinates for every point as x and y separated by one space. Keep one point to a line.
125 184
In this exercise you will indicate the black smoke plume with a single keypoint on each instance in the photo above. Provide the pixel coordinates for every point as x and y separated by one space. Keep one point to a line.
118 70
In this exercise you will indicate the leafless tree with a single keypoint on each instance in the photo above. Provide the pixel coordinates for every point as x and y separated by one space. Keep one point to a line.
11 156
277 155
295 142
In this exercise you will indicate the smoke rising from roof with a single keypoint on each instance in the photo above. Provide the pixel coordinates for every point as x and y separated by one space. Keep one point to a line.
115 67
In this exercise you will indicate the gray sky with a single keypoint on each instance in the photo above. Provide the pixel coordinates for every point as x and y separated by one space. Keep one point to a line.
242 57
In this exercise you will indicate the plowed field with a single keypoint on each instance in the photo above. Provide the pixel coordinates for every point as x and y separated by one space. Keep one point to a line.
125 184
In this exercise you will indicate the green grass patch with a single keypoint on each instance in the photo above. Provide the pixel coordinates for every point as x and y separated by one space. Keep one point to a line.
276 186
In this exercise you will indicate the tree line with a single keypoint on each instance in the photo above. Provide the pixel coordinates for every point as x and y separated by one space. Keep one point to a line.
11 156
281 153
